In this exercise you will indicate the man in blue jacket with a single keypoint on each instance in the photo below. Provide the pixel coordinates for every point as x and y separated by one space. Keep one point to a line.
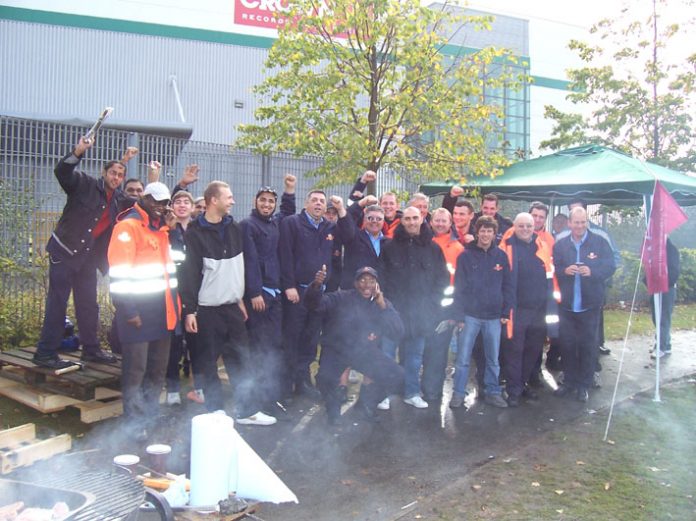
366 245
262 295
306 244
77 248
583 262
483 297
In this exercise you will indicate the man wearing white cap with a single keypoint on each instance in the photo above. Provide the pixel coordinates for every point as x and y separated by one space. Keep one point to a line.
143 289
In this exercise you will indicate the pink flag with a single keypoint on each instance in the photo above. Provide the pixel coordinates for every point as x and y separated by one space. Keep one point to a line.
666 215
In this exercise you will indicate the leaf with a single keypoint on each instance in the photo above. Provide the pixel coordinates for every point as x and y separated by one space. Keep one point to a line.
579 462
607 486
536 484
559 492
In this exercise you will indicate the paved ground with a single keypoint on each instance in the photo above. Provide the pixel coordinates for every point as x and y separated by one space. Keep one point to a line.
363 471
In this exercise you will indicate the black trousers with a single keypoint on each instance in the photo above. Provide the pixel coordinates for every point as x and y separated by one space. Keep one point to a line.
222 333
266 341
521 352
300 339
79 275
387 376
176 353
579 347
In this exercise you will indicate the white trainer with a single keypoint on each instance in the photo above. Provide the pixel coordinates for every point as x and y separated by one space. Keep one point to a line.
173 399
258 418
384 405
416 401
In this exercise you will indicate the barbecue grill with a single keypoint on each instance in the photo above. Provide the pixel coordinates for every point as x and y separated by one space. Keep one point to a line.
116 496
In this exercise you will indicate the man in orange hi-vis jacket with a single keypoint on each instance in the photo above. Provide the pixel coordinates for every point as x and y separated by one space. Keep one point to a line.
143 290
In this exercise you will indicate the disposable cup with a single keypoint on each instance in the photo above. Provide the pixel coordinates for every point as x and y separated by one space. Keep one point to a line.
157 456
127 461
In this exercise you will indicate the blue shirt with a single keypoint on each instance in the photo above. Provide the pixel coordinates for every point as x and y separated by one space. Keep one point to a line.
577 285
312 221
376 241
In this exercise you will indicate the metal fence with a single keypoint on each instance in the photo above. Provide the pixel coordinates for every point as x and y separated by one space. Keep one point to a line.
31 200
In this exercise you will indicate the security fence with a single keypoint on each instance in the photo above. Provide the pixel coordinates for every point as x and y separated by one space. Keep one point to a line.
31 199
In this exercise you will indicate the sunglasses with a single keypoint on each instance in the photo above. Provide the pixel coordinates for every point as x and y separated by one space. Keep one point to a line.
374 219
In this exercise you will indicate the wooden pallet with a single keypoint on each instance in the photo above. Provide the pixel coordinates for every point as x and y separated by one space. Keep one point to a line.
20 448
106 402
80 385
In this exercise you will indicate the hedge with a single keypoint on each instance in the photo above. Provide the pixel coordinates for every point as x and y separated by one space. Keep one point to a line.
624 280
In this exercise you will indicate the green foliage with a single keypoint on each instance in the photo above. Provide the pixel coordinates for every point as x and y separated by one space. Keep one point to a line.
624 280
641 103
369 85
20 319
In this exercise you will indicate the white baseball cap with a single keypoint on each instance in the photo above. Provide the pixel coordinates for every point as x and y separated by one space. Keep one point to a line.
158 191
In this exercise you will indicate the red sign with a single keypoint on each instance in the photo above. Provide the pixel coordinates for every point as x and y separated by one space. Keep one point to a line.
261 13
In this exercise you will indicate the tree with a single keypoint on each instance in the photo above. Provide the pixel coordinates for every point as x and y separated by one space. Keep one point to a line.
373 84
641 101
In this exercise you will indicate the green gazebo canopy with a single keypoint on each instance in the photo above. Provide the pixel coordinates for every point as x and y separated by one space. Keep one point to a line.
595 173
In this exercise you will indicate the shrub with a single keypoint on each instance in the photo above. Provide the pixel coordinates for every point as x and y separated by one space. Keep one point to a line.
624 280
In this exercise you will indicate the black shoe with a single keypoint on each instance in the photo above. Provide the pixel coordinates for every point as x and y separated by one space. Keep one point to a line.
99 356
343 393
306 389
604 350
553 364
563 391
513 401
530 394
333 413
51 361
536 381
582 395
368 413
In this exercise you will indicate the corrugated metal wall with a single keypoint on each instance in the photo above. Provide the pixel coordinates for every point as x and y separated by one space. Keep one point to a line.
54 71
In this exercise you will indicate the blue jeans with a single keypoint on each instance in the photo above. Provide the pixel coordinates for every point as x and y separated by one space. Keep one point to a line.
412 349
668 300
490 330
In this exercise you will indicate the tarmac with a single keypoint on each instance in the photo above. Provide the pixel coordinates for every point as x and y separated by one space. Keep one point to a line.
367 471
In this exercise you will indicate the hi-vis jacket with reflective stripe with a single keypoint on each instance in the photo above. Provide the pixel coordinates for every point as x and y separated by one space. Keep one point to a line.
143 278
553 294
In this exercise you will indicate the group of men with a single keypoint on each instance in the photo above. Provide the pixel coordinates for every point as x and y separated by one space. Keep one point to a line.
382 291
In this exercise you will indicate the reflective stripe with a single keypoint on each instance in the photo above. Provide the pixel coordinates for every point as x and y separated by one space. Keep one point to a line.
144 271
450 268
177 256
141 287
446 302
449 290
552 319
557 295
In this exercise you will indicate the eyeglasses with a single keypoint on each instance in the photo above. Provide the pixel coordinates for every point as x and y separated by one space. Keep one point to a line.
374 218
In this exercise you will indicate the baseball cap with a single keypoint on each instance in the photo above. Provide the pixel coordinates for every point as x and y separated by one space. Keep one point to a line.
266 190
158 191
366 270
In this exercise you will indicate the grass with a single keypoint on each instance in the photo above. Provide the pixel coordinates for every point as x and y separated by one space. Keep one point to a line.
646 473
615 320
